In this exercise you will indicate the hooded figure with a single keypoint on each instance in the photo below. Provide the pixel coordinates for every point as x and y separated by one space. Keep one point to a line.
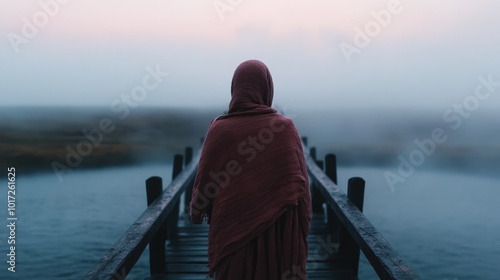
252 186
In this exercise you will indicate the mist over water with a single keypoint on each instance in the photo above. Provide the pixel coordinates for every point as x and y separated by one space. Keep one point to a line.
368 137
379 137
441 218
432 173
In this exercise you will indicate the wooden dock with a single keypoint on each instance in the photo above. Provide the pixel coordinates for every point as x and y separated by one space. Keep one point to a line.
178 249
186 257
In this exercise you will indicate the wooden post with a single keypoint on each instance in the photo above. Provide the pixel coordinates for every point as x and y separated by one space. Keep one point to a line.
304 140
356 191
188 152
316 198
349 250
189 190
157 262
331 172
173 217
331 167
177 167
312 152
317 192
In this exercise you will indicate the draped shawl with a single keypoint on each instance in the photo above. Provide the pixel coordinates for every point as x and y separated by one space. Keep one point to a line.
251 168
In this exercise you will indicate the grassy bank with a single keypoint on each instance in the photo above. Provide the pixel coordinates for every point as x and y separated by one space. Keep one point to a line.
32 139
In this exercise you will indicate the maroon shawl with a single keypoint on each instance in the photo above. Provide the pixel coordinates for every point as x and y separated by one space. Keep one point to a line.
251 168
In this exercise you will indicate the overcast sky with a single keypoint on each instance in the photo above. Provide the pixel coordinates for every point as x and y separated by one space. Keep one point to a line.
419 54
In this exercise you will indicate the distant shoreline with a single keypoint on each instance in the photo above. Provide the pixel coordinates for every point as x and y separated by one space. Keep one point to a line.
36 138
33 138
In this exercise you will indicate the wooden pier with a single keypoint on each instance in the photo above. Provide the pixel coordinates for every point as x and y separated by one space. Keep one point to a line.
178 249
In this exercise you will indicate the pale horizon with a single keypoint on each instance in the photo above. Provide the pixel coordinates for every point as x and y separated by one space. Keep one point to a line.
428 55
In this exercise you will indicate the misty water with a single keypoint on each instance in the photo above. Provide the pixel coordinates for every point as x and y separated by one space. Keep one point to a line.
442 219
444 224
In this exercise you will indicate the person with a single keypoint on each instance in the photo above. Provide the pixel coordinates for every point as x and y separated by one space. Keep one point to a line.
252 186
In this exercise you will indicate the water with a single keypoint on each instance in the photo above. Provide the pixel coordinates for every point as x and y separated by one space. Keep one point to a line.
65 228
441 219
443 224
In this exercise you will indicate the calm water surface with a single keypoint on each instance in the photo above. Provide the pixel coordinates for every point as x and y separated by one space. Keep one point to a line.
64 228
444 224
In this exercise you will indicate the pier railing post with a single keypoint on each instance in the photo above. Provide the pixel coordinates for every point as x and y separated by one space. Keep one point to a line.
304 140
316 197
312 152
157 262
173 217
189 190
331 172
349 250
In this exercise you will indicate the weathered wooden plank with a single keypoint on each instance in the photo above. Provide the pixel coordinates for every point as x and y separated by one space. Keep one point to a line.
180 276
324 261
126 251
187 268
200 257
313 267
385 261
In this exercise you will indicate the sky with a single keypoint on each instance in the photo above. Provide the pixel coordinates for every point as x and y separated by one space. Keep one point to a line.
321 53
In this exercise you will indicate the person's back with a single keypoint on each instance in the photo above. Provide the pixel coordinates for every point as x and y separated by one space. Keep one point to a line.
252 185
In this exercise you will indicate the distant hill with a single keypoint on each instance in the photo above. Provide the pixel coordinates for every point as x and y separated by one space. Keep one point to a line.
32 138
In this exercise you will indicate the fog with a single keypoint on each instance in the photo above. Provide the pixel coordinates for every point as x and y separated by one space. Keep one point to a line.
420 55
